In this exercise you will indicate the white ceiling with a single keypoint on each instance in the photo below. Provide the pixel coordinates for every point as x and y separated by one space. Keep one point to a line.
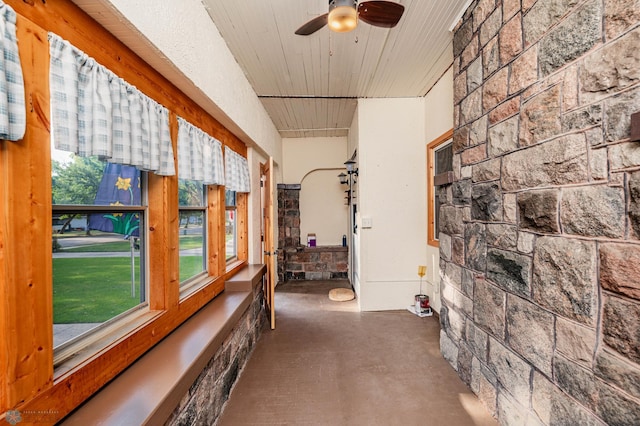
309 84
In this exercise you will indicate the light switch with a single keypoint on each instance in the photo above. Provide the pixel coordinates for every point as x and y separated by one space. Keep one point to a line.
367 222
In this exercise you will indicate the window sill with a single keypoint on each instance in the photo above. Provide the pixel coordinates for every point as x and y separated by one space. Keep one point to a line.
150 389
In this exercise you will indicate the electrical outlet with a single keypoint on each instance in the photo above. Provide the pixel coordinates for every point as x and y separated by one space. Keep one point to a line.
367 222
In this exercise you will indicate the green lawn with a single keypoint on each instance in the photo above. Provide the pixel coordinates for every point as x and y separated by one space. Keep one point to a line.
97 289
186 242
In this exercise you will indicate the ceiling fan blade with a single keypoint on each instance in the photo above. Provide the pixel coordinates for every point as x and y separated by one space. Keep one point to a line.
384 14
313 25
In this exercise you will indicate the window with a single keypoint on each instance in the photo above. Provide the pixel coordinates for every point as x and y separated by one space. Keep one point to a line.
192 230
439 172
97 244
230 225
49 210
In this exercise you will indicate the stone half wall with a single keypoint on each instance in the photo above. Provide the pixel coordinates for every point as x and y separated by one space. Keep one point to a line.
205 400
540 231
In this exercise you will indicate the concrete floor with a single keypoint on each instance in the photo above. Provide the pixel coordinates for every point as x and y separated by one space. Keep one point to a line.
328 364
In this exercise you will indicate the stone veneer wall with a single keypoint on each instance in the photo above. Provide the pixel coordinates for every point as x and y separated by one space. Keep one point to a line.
288 224
540 232
317 263
203 403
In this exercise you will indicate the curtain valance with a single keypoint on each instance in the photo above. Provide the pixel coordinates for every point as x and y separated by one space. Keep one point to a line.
237 171
94 112
199 155
13 116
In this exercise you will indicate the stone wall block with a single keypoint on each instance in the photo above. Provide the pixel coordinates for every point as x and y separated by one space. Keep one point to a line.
620 269
560 161
451 220
486 202
530 332
582 118
488 392
575 342
542 16
505 110
461 192
503 137
524 71
612 68
593 211
555 408
615 408
510 271
540 117
476 246
510 208
599 164
481 11
474 75
489 308
634 204
572 38
486 171
478 341
502 236
460 139
621 327
449 349
617 112
511 371
445 247
465 358
625 155
570 88
494 90
467 282
478 131
564 278
576 381
471 107
525 242
491 26
474 155
457 250
451 274
619 371
491 57
460 87
509 8
510 412
511 39
620 15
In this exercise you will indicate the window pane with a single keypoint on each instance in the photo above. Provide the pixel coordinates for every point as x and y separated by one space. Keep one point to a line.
230 237
192 237
230 198
96 275
193 234
444 159
97 261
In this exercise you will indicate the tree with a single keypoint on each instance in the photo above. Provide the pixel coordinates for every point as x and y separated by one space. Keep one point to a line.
76 182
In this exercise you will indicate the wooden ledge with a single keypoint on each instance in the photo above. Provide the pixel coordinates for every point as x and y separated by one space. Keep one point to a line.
246 279
151 388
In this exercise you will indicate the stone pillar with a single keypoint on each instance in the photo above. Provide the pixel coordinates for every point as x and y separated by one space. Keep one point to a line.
288 224
540 230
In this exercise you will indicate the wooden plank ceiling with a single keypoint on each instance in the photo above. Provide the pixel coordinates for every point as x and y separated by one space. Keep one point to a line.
309 85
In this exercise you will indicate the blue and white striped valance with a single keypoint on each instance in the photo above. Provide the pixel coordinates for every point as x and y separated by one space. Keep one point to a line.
13 116
237 171
199 155
94 112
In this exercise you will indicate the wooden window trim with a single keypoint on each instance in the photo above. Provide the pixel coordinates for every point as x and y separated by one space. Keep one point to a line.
431 148
25 225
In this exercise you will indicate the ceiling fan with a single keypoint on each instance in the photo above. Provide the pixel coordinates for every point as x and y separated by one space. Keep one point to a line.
343 16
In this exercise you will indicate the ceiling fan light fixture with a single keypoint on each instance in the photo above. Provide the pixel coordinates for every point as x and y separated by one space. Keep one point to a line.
343 16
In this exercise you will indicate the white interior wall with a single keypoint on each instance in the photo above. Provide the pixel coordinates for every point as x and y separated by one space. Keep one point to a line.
315 163
392 194
438 120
